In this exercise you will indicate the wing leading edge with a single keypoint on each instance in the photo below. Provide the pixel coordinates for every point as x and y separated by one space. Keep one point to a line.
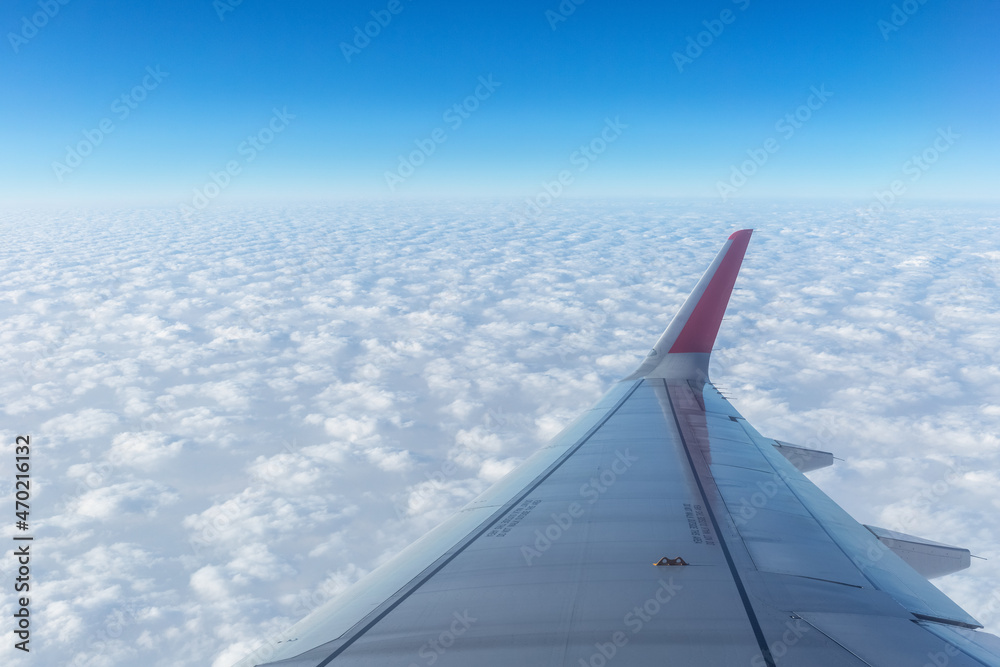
556 563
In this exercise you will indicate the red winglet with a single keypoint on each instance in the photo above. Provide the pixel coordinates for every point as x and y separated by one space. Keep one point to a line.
702 327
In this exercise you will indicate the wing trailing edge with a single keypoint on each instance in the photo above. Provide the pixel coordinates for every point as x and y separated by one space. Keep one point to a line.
684 349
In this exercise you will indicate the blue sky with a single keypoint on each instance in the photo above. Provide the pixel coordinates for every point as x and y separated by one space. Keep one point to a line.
894 87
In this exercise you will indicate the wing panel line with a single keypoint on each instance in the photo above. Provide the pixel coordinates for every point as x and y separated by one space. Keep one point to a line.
751 615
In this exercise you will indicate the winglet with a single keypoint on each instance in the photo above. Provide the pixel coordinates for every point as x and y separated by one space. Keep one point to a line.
684 349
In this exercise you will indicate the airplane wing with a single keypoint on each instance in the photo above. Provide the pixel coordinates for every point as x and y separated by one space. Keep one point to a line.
659 528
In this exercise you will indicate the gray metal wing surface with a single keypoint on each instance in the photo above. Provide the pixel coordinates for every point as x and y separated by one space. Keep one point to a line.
660 528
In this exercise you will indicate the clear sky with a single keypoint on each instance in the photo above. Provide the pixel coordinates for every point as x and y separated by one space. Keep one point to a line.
299 104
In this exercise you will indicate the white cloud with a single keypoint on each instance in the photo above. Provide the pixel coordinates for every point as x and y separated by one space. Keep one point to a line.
390 460
135 497
143 450
350 429
209 582
236 415
87 423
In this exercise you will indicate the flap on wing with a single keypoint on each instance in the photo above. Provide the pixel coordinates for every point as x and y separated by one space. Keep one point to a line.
931 559
684 348
886 640
983 646
803 458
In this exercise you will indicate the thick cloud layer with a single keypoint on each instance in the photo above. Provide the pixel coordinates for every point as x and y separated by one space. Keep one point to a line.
237 415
